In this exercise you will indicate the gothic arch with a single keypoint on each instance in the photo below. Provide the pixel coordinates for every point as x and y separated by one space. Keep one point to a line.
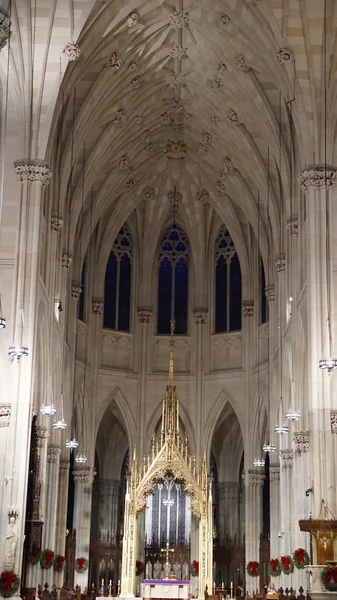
124 408
213 417
154 420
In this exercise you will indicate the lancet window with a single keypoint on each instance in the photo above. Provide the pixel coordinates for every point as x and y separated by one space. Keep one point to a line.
173 280
263 299
117 291
81 301
228 288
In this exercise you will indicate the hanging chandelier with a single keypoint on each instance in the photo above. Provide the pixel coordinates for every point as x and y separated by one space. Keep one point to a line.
329 364
293 415
2 322
259 463
60 425
81 459
17 352
281 429
48 410
71 444
269 448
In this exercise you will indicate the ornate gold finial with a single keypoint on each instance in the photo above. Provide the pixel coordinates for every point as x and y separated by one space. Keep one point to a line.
172 326
170 416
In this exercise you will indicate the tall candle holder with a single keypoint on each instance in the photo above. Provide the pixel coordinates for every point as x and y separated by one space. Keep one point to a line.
102 588
110 588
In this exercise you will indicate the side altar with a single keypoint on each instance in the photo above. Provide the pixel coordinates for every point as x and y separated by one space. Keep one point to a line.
153 589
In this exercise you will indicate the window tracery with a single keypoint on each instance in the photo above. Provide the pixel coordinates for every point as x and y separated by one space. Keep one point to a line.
228 292
117 290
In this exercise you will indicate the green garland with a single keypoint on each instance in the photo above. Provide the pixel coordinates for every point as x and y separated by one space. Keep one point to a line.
253 568
301 558
81 564
329 578
287 560
274 567
58 562
46 558
9 584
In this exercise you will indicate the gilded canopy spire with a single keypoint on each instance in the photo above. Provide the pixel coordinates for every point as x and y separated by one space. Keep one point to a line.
170 416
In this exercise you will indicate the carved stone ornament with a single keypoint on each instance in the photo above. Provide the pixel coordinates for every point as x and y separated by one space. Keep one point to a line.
302 441
148 193
255 478
215 119
221 68
41 436
5 415
64 468
284 55
76 290
220 188
67 259
292 225
200 316
136 83
224 19
124 163
119 118
178 20
133 66
174 198
146 136
178 52
176 150
207 138
248 308
333 421
218 83
144 314
177 81
270 293
72 51
226 168
203 196
287 458
115 61
130 186
81 474
177 128
97 305
241 65
132 19
53 453
280 262
56 222
5 28
274 473
11 540
32 170
232 118
138 119
202 149
317 177
177 106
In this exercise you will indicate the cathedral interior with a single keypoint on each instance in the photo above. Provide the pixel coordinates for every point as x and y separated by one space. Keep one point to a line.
168 260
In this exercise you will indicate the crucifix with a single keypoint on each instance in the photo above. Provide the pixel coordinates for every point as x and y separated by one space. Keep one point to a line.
167 567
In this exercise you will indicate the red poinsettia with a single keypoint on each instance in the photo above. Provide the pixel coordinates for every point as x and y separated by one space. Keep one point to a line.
331 574
253 568
8 580
80 562
196 567
139 567
49 557
274 567
9 584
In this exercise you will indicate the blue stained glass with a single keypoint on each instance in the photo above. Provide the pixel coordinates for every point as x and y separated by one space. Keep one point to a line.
124 294
181 296
221 295
110 292
164 296
235 294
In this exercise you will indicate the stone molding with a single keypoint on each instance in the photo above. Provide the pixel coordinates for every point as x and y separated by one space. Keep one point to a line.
179 20
76 290
255 478
67 259
203 196
292 225
241 66
27 169
228 489
64 468
318 176
280 262
287 458
232 118
270 293
144 314
302 441
274 473
5 414
81 474
284 55
53 453
5 28
41 436
56 222
333 421
248 308
97 305
200 316
72 51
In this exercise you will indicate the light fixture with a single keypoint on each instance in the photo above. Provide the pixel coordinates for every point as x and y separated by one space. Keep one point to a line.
48 410
281 429
293 415
17 352
71 444
168 502
60 425
329 364
2 319
81 459
259 463
269 448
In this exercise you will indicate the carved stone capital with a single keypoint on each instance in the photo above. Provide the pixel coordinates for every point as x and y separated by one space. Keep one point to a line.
200 316
255 478
302 441
292 225
67 259
41 436
72 51
97 305
81 474
148 193
178 20
144 314
286 458
232 118
32 170
280 262
53 453
333 421
318 176
248 308
5 28
76 290
5 415
270 293
241 65
64 468
56 222
284 55
274 473
203 196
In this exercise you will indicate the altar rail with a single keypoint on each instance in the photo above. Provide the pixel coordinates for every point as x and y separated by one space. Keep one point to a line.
287 594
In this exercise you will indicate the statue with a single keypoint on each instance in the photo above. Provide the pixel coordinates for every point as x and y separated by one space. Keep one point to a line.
11 540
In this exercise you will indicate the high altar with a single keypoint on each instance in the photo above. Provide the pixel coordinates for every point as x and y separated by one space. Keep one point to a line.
169 457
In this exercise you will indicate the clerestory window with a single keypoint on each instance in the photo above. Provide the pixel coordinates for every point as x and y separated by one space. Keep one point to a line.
228 292
117 290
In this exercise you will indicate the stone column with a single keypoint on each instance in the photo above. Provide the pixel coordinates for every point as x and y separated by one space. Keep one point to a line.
274 493
302 501
286 512
82 518
253 516
62 506
200 321
52 482
5 27
229 511
144 332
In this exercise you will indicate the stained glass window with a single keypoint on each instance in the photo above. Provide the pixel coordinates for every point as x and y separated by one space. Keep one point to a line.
228 287
117 290
263 299
82 294
173 280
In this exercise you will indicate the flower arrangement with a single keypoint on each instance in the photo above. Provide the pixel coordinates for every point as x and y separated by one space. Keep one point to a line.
194 568
274 567
253 568
139 567
59 562
81 564
329 578
46 559
9 584
35 555
287 564
300 558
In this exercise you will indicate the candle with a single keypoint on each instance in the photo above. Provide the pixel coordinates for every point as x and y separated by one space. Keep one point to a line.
231 584
222 585
102 581
110 582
